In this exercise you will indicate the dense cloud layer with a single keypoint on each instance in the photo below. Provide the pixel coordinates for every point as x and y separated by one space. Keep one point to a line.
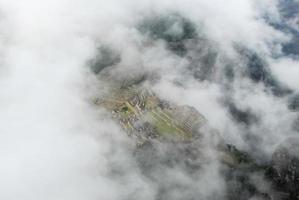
236 62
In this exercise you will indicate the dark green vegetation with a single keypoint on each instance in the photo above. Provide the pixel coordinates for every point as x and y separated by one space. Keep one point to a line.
174 29
284 169
245 117
257 69
106 57
294 102
289 10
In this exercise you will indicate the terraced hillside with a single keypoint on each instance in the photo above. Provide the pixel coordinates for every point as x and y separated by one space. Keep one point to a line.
144 114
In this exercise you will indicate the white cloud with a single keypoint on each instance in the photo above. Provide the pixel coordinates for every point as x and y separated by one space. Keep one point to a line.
287 70
54 144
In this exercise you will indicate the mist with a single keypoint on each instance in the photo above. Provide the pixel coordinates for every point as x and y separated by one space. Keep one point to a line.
236 62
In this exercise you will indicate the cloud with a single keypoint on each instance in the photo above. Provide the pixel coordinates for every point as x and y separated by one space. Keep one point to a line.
55 144
286 70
